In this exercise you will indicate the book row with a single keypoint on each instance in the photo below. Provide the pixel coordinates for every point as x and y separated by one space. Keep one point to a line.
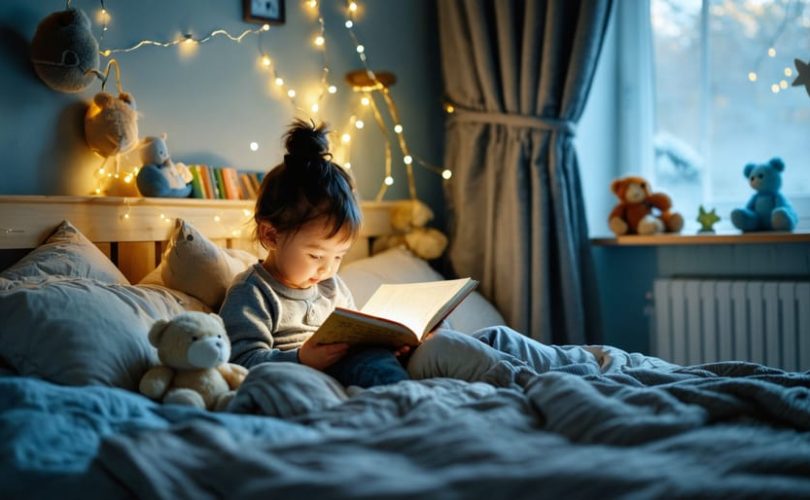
224 183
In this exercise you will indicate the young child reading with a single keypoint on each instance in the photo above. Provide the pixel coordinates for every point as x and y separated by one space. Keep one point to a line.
307 218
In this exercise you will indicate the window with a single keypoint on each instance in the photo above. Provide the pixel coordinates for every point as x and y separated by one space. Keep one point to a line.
722 98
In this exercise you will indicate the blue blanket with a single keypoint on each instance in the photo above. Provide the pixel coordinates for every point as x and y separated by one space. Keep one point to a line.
720 430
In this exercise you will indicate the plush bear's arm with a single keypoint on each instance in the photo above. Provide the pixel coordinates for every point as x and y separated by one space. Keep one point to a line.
660 201
752 203
618 211
155 382
233 374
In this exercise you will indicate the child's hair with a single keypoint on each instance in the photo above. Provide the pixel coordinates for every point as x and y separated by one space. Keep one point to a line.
308 186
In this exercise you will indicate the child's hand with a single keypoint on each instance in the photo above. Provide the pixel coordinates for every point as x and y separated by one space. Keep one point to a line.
321 356
402 351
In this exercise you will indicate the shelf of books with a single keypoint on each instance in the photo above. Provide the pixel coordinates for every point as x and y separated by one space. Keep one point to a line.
224 183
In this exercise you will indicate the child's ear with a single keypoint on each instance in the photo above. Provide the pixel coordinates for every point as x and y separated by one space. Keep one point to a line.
268 235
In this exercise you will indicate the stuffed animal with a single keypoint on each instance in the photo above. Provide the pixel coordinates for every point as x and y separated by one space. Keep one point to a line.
111 124
158 175
768 209
640 211
64 51
408 219
194 349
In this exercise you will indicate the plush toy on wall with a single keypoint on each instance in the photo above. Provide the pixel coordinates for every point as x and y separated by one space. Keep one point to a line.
64 51
640 211
111 124
158 175
194 349
768 209
408 219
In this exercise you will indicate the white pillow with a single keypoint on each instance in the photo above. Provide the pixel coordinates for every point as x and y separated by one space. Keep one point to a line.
193 264
67 252
399 265
78 331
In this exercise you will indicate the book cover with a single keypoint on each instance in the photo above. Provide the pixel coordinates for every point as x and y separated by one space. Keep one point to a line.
205 174
396 315
197 189
228 180
219 186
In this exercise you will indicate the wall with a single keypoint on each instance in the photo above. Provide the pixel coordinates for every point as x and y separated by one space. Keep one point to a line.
215 101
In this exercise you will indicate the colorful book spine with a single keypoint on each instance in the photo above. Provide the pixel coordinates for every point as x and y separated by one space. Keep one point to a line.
231 183
197 189
220 186
205 175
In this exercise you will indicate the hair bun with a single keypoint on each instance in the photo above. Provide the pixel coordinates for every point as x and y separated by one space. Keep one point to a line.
307 141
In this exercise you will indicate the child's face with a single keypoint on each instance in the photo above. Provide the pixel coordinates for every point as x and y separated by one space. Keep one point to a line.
306 257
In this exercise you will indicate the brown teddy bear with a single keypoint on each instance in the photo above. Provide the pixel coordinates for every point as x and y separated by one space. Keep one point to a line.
640 211
194 349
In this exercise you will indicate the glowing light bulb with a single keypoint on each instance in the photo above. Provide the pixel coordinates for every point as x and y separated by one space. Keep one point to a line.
353 6
446 174
450 109
279 82
332 89
254 146
347 165
345 138
389 180
360 49
783 84
162 216
364 101
312 4
266 61
349 24
315 108
247 213
106 52
398 128
291 93
188 40
217 218
359 124
265 27
772 52
407 159
775 88
98 190
319 41
101 171
126 216
128 178
752 76
788 71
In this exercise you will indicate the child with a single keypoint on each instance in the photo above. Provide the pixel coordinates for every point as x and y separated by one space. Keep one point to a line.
307 218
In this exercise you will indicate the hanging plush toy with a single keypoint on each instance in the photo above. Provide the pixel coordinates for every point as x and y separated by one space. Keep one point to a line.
111 124
64 52
158 175
408 220
768 209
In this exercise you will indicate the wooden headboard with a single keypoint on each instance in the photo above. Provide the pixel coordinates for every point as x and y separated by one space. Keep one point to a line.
133 231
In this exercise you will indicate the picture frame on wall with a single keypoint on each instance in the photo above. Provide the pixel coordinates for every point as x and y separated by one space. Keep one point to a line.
263 11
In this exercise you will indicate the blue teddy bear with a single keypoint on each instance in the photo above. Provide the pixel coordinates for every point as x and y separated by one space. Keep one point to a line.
767 209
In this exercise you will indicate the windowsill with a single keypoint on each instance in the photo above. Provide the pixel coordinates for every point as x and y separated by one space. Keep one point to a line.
723 238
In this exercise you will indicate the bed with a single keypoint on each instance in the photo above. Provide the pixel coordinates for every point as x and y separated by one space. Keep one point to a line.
72 347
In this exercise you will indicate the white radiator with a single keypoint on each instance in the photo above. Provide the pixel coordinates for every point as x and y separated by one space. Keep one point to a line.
701 320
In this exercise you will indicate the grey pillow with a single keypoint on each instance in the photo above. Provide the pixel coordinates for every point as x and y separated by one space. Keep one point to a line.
67 252
77 331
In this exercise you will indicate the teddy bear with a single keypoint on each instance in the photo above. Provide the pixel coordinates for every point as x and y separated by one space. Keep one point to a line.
64 51
158 175
640 211
408 219
193 349
111 124
767 209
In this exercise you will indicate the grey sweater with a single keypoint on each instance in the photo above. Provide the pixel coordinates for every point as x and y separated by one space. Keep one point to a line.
268 321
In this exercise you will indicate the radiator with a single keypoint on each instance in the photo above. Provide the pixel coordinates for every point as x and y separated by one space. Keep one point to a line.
701 321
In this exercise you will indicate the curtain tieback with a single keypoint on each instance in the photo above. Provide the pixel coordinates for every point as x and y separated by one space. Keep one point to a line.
514 120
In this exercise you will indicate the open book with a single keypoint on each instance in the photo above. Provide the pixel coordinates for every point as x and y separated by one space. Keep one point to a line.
396 315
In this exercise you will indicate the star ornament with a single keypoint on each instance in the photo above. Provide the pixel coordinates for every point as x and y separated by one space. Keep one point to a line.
803 69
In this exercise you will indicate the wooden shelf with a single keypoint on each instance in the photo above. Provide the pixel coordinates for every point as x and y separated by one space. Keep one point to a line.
730 238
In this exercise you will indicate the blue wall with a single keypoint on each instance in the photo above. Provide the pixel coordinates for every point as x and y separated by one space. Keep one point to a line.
214 102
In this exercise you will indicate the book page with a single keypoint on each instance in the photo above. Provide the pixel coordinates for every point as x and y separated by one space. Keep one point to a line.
415 305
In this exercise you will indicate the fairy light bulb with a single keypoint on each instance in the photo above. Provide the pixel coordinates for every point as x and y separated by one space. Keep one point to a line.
359 124
254 146
126 216
398 128
772 52
389 180
291 93
365 101
360 49
348 24
128 178
783 84
407 159
265 27
353 6
217 218
446 174
312 4
775 88
247 213
346 138
752 76
332 89
279 82
106 52
98 190
450 108
347 165
266 61
315 108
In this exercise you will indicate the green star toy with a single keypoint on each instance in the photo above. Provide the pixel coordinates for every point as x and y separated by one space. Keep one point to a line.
707 220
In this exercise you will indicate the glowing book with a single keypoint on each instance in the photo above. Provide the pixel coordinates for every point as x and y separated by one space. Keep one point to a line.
396 315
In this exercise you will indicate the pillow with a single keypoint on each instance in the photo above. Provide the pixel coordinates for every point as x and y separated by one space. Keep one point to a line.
399 265
193 264
77 331
67 252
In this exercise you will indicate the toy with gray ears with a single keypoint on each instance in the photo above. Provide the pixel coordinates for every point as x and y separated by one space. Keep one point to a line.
64 51
768 209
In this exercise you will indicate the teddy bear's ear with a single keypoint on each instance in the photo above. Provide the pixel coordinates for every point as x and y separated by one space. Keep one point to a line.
102 99
616 185
156 332
777 164
748 169
218 318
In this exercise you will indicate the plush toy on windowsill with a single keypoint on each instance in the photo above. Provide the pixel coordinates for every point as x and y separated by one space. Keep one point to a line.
768 209
158 175
408 219
194 349
640 211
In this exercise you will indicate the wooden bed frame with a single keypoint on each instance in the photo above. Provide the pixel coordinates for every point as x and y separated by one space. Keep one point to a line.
132 232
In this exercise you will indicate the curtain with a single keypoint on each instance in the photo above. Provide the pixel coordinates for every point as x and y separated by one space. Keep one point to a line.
518 74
